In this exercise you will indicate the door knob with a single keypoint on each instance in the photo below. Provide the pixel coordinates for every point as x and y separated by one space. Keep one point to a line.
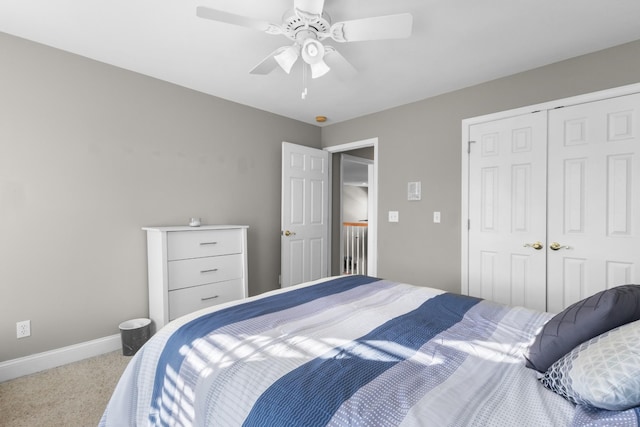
537 245
289 233
555 246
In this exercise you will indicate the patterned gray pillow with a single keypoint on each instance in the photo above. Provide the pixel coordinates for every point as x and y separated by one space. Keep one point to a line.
603 372
582 321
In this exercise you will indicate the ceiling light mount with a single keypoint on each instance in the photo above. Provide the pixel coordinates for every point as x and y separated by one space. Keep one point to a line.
292 24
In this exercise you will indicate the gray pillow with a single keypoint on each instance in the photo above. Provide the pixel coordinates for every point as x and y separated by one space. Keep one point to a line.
582 321
603 372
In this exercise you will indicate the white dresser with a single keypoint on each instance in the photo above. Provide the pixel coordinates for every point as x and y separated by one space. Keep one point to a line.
194 267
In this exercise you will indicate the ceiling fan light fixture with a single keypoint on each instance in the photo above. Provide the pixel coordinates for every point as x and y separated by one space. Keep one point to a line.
312 51
319 69
287 58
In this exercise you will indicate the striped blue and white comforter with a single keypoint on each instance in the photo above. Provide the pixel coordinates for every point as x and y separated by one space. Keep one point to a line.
353 350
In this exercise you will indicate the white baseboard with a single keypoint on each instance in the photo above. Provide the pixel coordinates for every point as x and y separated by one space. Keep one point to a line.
50 359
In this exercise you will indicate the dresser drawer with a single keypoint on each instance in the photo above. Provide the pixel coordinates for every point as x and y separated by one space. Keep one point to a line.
196 244
187 300
199 271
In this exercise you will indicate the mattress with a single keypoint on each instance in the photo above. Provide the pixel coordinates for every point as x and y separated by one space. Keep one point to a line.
352 350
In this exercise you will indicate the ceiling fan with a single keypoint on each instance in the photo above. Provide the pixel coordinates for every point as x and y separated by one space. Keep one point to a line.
308 25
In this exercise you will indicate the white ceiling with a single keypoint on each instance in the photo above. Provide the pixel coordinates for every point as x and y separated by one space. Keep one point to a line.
455 44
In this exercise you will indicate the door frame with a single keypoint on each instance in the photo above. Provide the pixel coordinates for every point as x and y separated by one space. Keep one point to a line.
372 261
467 123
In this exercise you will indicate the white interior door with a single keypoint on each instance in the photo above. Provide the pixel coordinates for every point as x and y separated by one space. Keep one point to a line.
594 197
305 214
507 210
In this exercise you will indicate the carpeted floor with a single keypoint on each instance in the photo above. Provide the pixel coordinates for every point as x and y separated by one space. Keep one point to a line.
71 395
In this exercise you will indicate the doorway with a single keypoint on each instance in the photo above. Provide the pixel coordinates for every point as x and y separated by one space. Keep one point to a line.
357 154
355 173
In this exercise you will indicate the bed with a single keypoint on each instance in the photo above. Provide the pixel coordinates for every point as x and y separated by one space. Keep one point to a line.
350 350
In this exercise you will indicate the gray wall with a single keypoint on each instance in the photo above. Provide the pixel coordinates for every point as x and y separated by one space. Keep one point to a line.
89 154
354 203
422 142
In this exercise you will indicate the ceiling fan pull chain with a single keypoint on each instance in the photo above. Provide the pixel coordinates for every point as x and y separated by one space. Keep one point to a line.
304 82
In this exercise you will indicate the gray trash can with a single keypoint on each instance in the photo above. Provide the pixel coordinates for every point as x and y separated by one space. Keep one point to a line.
134 334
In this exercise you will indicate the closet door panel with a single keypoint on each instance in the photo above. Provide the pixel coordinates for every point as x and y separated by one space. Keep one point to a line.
573 172
593 198
507 200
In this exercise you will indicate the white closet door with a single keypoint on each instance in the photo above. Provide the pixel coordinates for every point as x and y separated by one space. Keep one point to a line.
594 196
507 210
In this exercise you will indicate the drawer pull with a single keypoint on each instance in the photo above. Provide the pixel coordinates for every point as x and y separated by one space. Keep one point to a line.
208 243
208 271
209 298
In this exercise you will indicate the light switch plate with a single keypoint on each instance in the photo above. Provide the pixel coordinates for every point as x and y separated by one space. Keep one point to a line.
414 191
436 217
394 216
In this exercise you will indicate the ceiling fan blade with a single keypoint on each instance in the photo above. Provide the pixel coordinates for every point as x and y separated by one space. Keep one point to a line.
269 63
376 28
309 7
343 68
230 18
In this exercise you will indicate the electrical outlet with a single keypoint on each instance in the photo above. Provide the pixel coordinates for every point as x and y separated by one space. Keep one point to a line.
23 329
